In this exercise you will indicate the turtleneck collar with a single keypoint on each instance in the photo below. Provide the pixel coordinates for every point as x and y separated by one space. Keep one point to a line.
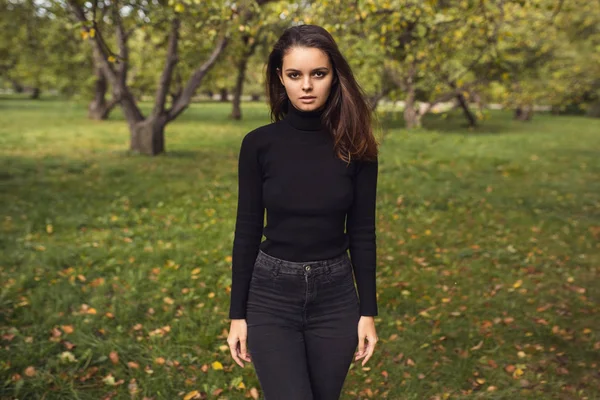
304 120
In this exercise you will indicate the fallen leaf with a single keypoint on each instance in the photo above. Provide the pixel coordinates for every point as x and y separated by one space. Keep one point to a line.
477 346
192 395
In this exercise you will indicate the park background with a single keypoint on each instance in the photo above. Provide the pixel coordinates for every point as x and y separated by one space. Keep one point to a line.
120 126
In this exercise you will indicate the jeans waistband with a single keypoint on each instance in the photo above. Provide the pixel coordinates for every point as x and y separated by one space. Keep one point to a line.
299 266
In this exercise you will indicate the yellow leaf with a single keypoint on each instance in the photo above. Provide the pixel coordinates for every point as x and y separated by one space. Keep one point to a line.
92 32
49 228
217 365
111 59
179 7
518 284
191 395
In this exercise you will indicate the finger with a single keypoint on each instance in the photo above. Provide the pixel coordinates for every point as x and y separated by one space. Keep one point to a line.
370 351
233 350
244 350
366 355
361 348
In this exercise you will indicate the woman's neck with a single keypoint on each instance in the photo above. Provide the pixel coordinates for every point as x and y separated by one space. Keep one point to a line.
304 120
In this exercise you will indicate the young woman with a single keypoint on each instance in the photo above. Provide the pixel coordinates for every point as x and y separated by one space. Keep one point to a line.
295 312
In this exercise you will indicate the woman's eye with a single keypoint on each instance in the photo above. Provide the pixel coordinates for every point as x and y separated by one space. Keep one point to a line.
320 74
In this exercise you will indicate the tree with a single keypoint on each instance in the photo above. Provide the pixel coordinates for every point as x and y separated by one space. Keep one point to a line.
147 132
427 50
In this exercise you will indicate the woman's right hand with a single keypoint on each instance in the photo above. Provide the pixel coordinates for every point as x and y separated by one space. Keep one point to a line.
238 333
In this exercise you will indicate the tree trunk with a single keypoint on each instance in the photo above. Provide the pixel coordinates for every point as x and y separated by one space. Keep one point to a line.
462 102
594 109
100 111
35 93
17 87
376 98
250 43
224 94
412 116
524 112
148 136
236 112
99 108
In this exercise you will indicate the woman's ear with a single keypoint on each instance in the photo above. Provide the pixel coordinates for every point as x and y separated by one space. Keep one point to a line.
279 75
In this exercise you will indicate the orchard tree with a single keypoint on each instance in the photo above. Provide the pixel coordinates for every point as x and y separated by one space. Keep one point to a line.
426 50
263 26
208 23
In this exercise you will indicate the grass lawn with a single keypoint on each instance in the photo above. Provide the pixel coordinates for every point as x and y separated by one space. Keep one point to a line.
115 268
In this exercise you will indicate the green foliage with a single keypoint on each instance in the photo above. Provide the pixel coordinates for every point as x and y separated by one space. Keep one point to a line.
39 50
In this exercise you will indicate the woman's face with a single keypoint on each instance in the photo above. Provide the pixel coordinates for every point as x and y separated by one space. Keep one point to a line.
306 71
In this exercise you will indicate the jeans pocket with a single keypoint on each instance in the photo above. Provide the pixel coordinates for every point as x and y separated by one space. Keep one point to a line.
264 273
340 274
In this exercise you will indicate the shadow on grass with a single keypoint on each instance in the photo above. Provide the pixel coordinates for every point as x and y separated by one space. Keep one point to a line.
61 187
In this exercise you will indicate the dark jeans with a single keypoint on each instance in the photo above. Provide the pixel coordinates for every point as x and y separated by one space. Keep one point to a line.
302 320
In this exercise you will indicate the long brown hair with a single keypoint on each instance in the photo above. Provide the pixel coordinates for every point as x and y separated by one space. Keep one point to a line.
347 113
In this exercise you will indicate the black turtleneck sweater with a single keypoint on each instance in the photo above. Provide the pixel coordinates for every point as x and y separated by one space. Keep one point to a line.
289 168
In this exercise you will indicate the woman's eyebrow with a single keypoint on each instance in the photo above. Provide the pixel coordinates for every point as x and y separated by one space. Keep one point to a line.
297 70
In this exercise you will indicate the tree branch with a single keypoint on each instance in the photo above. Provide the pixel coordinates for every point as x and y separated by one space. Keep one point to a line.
97 42
196 79
165 78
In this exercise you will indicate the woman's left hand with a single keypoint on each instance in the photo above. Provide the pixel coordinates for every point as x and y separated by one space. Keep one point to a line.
366 330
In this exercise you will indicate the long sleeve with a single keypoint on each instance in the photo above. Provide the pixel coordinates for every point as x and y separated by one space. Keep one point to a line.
248 227
360 225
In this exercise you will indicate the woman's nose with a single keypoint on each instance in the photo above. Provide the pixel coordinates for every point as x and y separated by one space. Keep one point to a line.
306 85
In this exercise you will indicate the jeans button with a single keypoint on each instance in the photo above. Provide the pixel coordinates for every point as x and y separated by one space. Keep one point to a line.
307 267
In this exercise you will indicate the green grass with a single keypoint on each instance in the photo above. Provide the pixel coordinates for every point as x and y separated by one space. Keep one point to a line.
488 257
